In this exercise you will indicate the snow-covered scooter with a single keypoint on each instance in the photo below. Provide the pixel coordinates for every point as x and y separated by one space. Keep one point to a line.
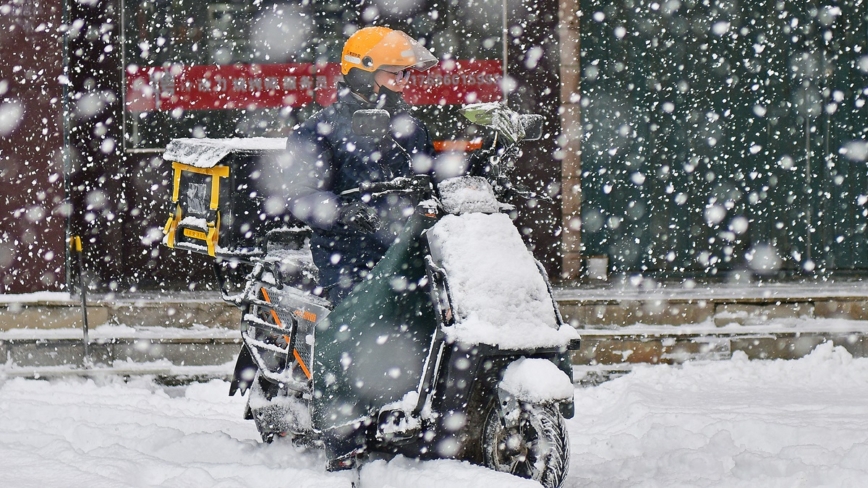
454 348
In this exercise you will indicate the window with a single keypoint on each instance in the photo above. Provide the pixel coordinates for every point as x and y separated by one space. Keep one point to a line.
255 68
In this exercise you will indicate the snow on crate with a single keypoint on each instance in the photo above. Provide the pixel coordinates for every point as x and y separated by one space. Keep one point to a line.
536 381
205 153
499 296
194 222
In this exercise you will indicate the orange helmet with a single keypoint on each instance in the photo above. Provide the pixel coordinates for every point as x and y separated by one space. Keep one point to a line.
374 48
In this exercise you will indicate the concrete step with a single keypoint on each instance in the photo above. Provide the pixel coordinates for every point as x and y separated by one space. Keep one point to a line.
683 303
124 347
119 347
612 305
620 325
62 311
780 339
166 374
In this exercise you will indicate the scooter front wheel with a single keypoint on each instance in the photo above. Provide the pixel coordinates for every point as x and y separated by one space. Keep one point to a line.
530 443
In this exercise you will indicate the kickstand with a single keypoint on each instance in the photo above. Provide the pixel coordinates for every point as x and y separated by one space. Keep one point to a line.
349 462
356 475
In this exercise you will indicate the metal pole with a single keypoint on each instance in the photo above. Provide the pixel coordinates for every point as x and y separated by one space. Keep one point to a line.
67 156
505 40
809 182
75 246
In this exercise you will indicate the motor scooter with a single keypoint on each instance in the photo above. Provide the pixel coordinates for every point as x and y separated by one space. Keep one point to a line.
453 348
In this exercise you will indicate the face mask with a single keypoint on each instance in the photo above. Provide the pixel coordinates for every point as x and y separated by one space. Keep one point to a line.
391 100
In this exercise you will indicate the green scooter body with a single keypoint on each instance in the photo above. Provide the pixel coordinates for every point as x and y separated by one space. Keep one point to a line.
371 348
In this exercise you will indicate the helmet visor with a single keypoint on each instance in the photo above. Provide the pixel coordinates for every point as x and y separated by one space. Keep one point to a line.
397 51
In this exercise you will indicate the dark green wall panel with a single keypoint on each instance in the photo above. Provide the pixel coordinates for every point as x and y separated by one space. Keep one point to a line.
712 135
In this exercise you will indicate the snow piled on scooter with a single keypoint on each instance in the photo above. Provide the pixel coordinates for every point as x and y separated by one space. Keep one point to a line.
536 380
499 296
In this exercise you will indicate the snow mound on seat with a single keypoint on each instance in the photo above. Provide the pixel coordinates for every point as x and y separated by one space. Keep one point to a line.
468 194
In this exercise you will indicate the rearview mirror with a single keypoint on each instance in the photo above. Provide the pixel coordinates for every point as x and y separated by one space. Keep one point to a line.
371 123
513 125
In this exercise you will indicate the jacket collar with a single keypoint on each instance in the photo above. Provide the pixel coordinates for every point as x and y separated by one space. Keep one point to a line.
348 97
359 102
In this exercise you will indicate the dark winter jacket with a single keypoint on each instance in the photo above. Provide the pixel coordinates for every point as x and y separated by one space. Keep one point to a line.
327 161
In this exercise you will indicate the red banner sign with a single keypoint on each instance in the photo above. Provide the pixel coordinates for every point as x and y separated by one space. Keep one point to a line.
293 85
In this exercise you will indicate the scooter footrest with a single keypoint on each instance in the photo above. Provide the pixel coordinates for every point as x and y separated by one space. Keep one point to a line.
397 425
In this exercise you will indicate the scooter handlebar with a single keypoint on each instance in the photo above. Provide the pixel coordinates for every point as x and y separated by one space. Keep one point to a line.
416 183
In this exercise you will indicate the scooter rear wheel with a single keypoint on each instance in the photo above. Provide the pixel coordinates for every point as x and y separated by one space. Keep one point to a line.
534 445
261 419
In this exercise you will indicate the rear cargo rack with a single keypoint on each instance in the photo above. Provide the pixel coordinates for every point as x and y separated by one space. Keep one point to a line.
278 328
219 194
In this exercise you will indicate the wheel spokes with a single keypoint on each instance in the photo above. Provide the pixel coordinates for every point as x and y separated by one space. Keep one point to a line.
513 467
533 472
525 444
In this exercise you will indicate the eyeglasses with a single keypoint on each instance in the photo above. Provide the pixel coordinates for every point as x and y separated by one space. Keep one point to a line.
401 76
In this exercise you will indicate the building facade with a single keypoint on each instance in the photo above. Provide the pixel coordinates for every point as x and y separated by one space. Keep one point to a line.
683 139
95 90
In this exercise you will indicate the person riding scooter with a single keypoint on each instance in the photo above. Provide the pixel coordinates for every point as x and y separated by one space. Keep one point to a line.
327 162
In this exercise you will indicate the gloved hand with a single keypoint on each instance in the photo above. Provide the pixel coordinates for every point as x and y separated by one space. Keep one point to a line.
421 184
358 216
511 191
495 159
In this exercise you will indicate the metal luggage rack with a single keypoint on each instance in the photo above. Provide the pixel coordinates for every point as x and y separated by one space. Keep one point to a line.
280 268
278 327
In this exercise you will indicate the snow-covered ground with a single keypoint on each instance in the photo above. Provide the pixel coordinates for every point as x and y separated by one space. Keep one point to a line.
726 423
